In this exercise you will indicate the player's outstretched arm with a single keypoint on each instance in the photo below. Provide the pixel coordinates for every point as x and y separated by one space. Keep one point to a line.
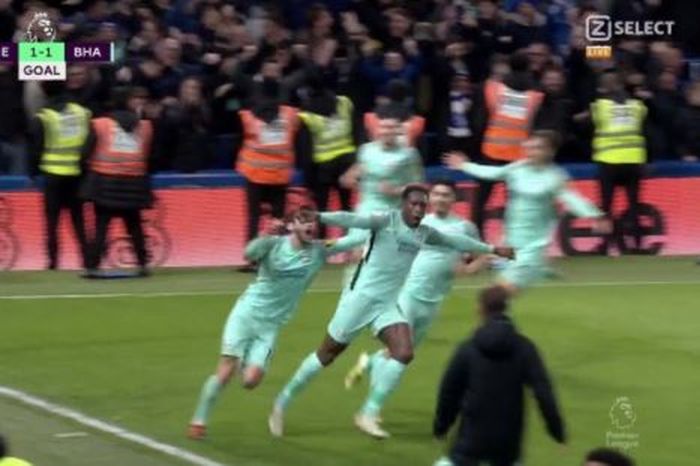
577 204
345 243
459 161
471 266
259 247
582 207
351 220
466 243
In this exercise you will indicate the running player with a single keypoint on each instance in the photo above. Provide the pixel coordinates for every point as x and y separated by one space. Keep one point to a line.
288 265
384 166
427 285
370 298
534 187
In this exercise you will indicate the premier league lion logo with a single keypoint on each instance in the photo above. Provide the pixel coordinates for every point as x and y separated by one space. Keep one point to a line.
41 28
622 413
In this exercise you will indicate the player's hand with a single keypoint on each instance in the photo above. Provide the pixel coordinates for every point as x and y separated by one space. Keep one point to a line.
505 251
276 227
454 160
472 265
602 226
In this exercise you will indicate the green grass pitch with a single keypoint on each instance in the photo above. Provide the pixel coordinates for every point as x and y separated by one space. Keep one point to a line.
137 358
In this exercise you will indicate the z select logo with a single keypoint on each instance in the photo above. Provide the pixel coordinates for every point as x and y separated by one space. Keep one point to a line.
602 28
598 28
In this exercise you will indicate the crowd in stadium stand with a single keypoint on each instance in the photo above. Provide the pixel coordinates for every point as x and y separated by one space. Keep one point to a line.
197 58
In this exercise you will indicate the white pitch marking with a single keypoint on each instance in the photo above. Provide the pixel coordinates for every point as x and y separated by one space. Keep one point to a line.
235 291
71 434
97 424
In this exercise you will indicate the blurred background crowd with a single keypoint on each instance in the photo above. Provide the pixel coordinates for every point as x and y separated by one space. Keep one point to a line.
201 61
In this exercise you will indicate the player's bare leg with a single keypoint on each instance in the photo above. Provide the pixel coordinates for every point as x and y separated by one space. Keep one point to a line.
225 371
309 368
398 341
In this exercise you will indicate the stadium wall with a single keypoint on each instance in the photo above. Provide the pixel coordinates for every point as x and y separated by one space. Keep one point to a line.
200 219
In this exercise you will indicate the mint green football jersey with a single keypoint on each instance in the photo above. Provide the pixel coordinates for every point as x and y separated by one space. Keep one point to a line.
432 272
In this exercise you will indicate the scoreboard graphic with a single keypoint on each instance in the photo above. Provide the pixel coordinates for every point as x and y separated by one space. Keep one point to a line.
47 61
39 58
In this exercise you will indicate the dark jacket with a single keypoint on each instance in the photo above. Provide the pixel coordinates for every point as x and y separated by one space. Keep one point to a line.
117 192
184 138
687 131
555 114
485 383
664 109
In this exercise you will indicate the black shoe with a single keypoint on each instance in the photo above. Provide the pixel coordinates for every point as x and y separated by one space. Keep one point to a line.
90 274
143 272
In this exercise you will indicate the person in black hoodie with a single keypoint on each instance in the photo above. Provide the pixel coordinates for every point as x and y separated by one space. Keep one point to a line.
118 151
485 384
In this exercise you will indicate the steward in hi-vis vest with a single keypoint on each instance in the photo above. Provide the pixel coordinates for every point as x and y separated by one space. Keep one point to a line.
266 158
118 182
57 136
504 122
619 148
328 143
511 113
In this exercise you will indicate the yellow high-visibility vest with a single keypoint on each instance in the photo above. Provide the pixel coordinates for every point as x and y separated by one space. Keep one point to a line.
64 135
14 462
331 136
618 136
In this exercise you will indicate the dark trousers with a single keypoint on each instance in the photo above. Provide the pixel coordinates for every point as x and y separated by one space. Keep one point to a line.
627 175
257 194
327 178
483 193
132 222
61 193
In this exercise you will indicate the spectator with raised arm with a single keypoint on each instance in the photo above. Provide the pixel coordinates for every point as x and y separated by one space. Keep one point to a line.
184 136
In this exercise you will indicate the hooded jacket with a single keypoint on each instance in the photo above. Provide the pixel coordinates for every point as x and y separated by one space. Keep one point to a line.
485 384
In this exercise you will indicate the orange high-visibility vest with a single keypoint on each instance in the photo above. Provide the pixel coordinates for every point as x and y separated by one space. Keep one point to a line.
411 129
510 117
267 155
118 152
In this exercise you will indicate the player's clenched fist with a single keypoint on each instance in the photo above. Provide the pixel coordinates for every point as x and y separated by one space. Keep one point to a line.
504 251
